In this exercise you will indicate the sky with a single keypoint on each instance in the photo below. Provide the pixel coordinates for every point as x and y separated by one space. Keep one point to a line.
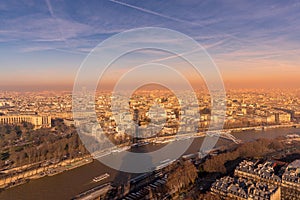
253 43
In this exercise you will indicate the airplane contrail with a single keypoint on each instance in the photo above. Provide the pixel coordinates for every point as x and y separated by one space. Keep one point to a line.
176 19
154 13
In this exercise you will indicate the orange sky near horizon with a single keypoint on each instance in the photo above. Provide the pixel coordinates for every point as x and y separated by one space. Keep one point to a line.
240 78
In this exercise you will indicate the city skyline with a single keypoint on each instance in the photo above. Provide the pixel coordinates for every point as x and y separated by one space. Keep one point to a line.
254 44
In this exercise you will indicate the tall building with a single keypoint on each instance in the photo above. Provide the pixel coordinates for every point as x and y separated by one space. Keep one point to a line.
136 125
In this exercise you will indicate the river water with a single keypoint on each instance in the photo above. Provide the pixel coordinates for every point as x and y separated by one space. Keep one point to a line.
68 184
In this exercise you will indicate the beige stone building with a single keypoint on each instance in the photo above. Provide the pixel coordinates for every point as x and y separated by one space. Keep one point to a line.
37 120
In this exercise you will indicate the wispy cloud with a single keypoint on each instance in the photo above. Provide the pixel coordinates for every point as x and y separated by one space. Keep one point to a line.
241 34
41 28
35 48
176 55
153 13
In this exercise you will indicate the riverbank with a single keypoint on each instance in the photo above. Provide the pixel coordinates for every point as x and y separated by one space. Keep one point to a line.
20 175
73 182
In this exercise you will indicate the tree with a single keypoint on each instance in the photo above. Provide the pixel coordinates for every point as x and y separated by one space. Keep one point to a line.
184 174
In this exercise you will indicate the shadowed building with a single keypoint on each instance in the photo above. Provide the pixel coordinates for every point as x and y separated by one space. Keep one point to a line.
291 181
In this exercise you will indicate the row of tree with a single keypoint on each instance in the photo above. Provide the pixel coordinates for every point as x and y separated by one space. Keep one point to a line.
255 149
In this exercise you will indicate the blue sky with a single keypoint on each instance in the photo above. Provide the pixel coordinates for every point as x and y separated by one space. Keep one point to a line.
45 41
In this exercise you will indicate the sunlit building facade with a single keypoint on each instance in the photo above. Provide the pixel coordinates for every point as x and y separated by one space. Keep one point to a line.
36 120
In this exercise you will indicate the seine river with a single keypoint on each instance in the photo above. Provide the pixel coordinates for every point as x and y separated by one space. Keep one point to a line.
68 184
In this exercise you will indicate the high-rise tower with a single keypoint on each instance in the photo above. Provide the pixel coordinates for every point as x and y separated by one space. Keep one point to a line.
136 125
